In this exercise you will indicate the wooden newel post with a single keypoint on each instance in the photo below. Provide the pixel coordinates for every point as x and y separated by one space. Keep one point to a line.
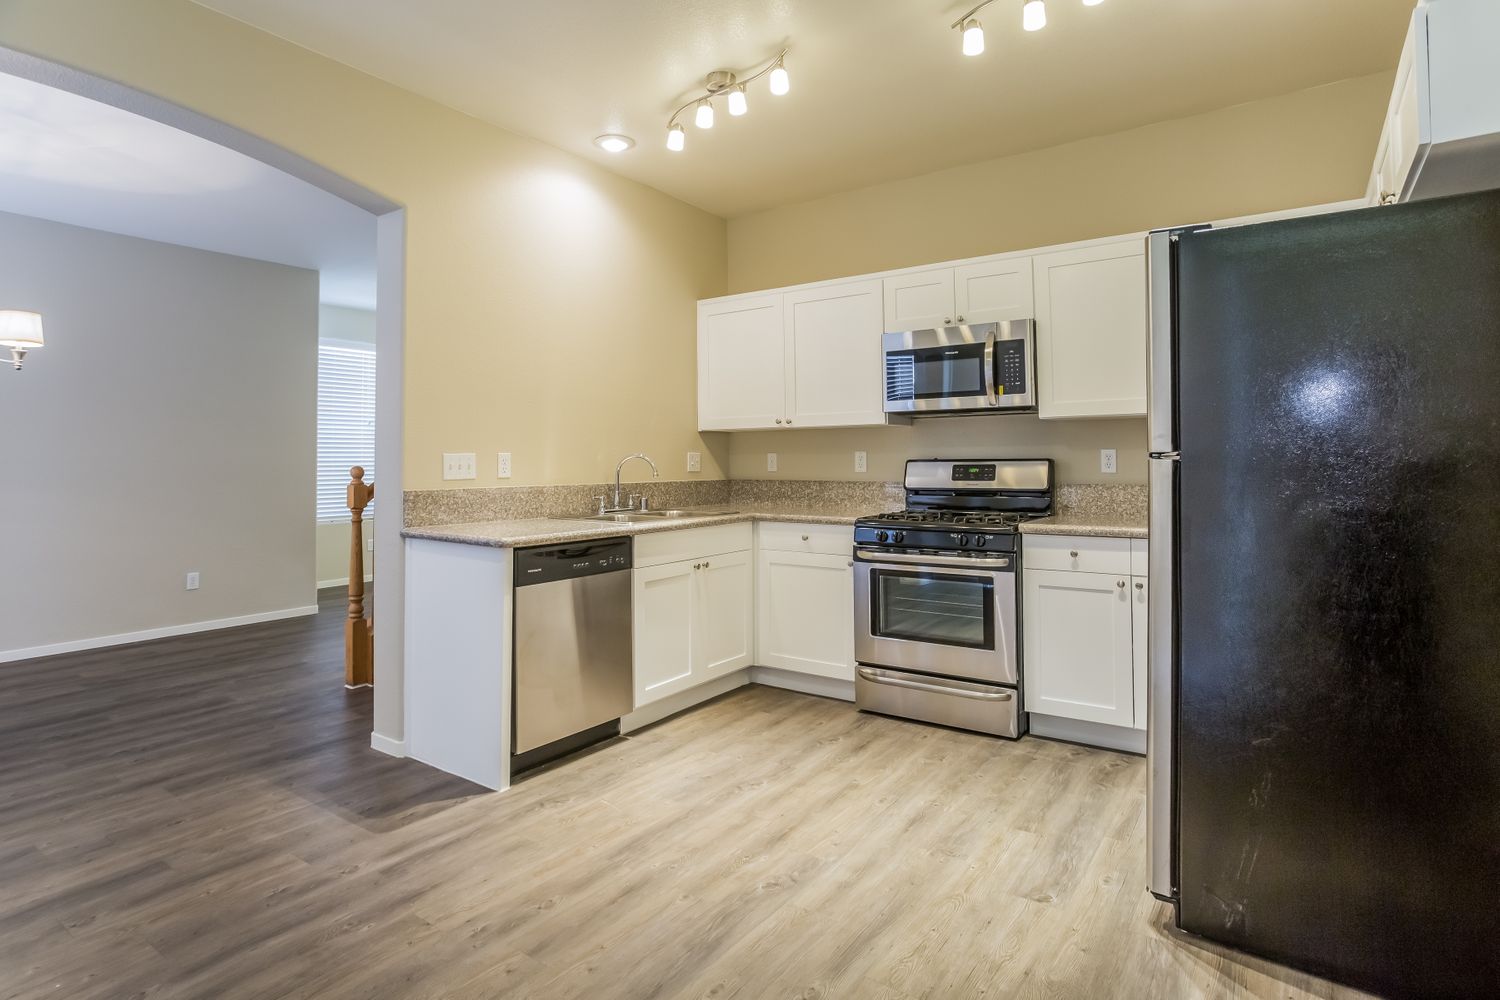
359 647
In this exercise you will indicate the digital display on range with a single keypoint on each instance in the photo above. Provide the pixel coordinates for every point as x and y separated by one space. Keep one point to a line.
973 473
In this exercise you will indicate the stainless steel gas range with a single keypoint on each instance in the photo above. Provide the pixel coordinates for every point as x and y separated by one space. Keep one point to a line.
935 594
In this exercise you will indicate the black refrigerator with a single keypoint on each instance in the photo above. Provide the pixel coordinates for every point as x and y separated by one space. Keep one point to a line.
1324 696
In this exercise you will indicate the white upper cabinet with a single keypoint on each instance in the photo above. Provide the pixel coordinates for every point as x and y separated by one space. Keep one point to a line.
833 356
921 301
741 363
1443 117
1091 330
993 290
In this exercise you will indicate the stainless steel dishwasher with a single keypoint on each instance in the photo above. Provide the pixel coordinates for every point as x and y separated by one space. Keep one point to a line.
573 676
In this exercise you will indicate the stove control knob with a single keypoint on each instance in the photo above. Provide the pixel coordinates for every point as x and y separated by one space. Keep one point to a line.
980 541
963 540
881 536
899 537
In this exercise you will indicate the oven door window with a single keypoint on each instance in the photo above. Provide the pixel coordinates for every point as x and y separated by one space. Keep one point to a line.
933 607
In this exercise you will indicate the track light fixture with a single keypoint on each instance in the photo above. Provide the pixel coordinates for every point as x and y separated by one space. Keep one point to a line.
723 82
1033 18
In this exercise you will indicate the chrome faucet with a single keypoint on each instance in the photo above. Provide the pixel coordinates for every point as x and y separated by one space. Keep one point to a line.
655 474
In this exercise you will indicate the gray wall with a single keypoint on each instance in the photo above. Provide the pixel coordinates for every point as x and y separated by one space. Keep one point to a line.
167 426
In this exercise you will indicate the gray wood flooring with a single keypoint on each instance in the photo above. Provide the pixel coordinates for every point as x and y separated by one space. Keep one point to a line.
203 817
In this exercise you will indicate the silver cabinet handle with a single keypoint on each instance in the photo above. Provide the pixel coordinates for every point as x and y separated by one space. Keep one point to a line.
697 565
1074 553
705 564
982 563
778 420
1120 584
804 538
1140 586
960 319
874 677
947 320
789 421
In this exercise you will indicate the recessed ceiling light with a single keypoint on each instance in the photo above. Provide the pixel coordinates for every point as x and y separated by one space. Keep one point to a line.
612 142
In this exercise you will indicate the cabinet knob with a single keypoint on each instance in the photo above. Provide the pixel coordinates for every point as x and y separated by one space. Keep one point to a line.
778 420
697 565
947 320
789 421
705 564
1140 586
804 538
851 563
1120 584
1074 553
960 319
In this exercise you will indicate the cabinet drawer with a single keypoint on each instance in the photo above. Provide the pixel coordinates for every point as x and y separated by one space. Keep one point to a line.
1139 547
829 539
1080 553
660 547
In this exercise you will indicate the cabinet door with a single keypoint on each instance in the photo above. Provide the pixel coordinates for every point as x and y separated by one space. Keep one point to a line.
993 291
1079 652
663 630
1409 122
741 364
723 615
805 613
920 301
1138 620
1091 331
833 356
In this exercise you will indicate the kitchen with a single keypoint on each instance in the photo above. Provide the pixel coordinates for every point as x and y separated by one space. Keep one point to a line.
1016 526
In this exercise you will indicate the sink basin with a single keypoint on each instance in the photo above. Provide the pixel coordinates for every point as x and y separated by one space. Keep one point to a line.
640 516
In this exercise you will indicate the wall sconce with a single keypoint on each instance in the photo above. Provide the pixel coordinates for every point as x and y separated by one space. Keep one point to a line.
20 331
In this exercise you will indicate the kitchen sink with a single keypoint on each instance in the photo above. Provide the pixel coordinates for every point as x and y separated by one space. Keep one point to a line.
645 516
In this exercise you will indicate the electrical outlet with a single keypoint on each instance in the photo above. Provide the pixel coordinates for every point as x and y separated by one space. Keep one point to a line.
770 461
458 465
695 461
1107 461
861 462
502 466
192 581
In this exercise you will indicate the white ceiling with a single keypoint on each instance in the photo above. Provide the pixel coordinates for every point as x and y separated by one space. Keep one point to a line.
77 161
879 88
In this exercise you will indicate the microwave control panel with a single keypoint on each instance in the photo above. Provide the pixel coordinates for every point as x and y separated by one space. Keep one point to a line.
1010 367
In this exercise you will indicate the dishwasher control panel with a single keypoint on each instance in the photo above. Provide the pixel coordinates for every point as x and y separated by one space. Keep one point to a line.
548 563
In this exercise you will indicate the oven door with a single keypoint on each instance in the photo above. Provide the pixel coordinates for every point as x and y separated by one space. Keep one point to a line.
985 366
935 613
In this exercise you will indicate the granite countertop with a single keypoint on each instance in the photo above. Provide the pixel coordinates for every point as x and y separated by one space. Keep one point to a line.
1111 524
547 530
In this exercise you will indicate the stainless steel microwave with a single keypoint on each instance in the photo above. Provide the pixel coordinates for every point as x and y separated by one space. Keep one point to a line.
958 369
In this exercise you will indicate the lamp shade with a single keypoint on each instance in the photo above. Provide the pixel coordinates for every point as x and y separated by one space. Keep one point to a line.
19 328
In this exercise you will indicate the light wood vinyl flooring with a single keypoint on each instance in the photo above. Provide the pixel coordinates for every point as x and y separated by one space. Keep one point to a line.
203 817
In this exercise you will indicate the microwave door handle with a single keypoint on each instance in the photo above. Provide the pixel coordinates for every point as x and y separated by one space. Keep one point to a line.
989 369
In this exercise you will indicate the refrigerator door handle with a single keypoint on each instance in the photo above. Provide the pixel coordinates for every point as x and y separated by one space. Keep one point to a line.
1159 372
1161 675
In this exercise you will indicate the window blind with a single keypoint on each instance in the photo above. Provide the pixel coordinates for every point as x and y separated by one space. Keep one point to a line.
346 423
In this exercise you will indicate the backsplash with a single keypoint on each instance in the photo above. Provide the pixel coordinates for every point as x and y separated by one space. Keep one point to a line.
503 503
1122 499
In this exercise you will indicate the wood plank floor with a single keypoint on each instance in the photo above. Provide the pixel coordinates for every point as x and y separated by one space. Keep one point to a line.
203 817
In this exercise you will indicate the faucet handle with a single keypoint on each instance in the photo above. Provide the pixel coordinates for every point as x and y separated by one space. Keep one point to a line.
645 501
632 500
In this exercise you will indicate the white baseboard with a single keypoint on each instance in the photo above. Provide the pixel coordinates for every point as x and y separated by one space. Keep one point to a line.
682 700
1090 733
823 687
388 746
145 635
342 581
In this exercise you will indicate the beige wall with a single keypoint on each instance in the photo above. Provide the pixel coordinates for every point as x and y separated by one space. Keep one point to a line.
549 303
167 427
1307 148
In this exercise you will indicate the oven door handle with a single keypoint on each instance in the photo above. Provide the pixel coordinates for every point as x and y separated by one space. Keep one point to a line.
875 677
989 369
959 562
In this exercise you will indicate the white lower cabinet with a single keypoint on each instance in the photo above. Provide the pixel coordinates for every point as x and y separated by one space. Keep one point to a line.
1079 649
805 607
1085 631
693 622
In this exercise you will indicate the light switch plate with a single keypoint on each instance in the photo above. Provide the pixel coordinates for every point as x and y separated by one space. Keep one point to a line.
1107 461
502 466
861 462
695 461
192 581
458 465
770 461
